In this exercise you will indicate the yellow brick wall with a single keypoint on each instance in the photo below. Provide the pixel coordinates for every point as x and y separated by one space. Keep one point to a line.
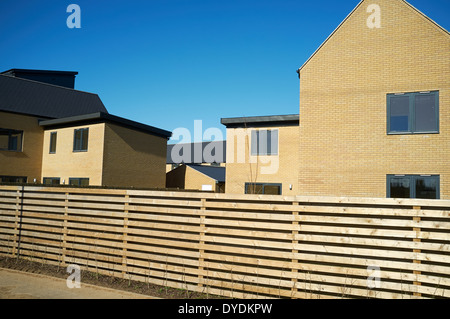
175 178
344 149
243 168
195 180
185 177
28 162
66 163
133 158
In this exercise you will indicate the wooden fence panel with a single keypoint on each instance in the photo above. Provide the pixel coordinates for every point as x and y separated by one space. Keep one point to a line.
241 246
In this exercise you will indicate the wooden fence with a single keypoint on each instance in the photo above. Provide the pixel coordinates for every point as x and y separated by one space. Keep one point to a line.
240 246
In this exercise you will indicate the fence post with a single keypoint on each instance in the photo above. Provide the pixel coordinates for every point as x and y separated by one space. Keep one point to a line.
125 235
20 221
201 260
415 261
294 261
64 239
16 224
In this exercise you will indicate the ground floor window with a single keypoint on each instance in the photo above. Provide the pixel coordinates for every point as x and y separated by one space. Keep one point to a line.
79 181
413 186
13 179
52 180
263 188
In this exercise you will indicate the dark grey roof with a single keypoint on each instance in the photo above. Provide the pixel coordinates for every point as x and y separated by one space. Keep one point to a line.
216 145
15 72
100 117
217 173
45 100
252 121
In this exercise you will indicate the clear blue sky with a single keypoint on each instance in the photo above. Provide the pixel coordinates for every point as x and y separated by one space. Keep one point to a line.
167 63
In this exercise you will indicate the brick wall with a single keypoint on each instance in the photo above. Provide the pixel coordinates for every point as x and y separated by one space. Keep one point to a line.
66 163
185 177
243 168
133 158
28 162
344 147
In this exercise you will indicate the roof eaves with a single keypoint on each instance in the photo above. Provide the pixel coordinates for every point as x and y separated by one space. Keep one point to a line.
260 119
39 71
101 116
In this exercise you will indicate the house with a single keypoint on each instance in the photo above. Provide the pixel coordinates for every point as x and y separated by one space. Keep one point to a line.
262 154
196 166
211 153
375 107
197 177
53 134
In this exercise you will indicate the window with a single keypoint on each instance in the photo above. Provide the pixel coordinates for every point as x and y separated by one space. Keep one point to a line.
11 140
13 179
51 180
264 142
263 188
80 140
79 181
413 112
53 143
413 186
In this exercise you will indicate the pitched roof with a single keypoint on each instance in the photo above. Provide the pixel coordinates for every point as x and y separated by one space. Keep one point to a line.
217 173
101 117
216 145
351 13
45 100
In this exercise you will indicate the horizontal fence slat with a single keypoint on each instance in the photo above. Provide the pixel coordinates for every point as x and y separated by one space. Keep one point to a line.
242 246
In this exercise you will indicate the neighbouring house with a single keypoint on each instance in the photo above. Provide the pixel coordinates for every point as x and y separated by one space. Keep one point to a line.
197 177
211 153
53 134
375 107
262 154
196 166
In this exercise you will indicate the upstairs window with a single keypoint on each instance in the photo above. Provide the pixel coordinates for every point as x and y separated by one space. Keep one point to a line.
53 136
413 112
413 186
11 140
264 142
80 140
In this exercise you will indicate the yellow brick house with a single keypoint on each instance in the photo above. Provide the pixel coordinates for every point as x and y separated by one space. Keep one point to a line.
375 107
261 156
51 133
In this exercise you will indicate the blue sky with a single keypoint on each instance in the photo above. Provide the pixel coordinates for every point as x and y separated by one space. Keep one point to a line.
167 63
